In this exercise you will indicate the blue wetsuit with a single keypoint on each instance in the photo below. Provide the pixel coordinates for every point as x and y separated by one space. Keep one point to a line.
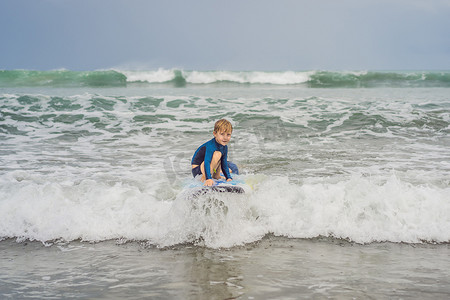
205 153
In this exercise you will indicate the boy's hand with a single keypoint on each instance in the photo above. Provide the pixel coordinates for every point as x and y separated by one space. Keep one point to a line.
209 182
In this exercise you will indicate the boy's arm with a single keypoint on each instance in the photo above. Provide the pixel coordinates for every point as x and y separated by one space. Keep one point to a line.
224 165
207 163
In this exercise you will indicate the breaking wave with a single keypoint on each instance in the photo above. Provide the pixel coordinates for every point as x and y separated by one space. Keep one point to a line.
180 78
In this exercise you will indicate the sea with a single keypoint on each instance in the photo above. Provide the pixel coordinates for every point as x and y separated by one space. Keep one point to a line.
347 176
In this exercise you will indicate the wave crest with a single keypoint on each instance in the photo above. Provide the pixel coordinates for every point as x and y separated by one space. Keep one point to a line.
179 78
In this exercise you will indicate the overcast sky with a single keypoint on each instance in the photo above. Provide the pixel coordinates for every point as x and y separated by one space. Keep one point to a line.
225 35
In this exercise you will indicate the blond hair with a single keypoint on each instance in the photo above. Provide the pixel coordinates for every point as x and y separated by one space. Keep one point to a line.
223 126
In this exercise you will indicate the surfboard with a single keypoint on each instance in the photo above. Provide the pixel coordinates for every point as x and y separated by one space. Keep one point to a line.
219 187
214 200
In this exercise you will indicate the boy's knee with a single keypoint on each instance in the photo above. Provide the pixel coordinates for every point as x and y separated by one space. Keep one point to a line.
217 155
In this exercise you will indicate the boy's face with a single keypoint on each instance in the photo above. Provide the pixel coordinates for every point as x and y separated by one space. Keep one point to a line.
223 137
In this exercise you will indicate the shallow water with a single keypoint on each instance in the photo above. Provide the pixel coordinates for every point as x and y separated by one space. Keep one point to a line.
273 268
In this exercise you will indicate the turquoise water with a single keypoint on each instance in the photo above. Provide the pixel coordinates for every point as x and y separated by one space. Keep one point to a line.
179 78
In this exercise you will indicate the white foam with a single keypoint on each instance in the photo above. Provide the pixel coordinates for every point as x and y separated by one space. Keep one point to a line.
288 77
358 209
38 209
158 76
207 77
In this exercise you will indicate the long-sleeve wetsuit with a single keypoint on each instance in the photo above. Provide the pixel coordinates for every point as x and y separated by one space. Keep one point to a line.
205 153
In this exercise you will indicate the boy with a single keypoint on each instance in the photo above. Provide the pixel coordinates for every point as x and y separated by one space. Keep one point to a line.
212 155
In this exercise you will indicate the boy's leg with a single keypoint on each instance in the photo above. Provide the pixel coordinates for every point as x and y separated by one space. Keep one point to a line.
216 175
215 166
